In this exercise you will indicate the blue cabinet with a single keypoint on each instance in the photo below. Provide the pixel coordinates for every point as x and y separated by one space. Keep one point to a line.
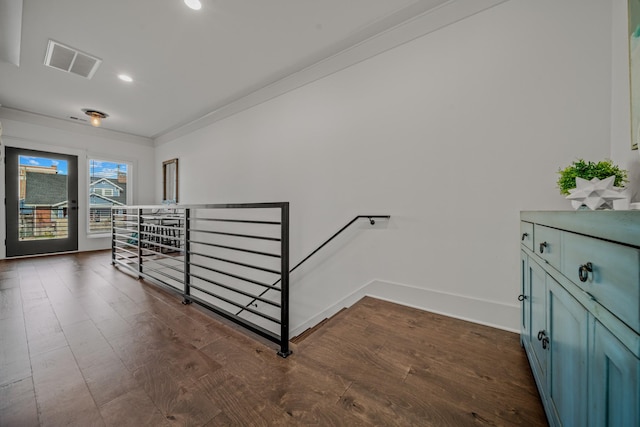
567 357
614 381
525 298
580 322
539 338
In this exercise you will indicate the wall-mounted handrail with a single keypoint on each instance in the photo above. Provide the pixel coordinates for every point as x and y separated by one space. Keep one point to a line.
372 220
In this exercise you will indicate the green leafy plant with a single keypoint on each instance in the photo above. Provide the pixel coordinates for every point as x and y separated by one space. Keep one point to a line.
589 170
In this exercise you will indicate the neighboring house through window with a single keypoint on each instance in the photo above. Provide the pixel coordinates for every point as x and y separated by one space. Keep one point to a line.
109 185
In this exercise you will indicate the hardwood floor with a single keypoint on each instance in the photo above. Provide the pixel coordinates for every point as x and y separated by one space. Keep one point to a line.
85 344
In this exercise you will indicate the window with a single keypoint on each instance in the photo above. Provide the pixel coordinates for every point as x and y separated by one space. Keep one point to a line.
109 185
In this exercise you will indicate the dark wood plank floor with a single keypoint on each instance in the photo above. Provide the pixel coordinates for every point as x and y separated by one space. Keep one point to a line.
85 344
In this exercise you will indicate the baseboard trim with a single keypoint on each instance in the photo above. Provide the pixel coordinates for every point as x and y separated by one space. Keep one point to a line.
347 301
480 311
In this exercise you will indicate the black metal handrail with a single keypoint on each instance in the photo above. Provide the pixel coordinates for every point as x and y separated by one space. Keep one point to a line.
372 220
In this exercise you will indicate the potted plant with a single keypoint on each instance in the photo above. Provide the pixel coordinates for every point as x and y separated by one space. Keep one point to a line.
589 170
589 190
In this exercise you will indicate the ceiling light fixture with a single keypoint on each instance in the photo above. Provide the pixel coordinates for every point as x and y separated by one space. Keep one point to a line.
125 78
193 4
95 116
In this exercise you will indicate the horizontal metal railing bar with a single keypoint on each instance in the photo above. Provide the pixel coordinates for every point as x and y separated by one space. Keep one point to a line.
265 333
126 231
150 278
126 240
125 225
126 236
247 236
126 243
152 243
233 248
238 291
265 205
135 223
125 228
164 227
126 254
165 243
153 231
242 264
235 276
126 261
126 264
127 257
149 233
146 219
172 267
157 270
162 213
126 250
228 301
160 255
243 221
148 253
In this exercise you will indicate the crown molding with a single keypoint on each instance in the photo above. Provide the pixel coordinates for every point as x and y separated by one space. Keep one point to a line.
413 22
51 122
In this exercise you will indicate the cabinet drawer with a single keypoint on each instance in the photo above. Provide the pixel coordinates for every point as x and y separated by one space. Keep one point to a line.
615 278
546 244
526 234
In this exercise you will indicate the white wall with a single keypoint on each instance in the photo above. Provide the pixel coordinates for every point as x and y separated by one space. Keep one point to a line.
452 134
34 132
620 105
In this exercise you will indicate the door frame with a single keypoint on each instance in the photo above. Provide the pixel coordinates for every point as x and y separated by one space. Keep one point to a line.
13 246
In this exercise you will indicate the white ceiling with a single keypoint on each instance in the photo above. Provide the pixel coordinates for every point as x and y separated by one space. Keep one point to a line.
185 64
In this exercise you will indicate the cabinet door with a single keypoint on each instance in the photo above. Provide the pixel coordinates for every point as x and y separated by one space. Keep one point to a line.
538 289
614 383
567 369
525 298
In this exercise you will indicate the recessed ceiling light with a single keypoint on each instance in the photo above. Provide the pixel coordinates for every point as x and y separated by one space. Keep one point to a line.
193 4
125 78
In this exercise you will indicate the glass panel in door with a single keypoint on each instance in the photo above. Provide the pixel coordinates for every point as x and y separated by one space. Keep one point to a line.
41 208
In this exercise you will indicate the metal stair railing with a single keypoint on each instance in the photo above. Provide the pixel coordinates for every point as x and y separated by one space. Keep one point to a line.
219 256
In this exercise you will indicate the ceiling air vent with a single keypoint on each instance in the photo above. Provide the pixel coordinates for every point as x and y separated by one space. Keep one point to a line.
70 60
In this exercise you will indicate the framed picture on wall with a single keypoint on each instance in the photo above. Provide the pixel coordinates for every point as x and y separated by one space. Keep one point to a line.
170 181
634 70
